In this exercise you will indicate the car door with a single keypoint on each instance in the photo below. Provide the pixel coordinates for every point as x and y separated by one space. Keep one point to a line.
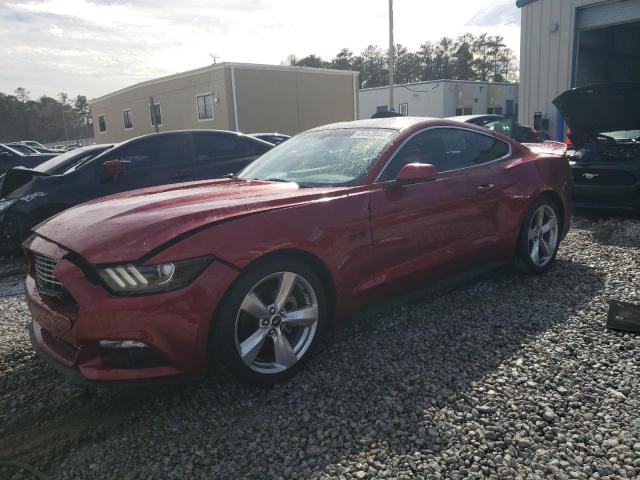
216 154
146 162
440 226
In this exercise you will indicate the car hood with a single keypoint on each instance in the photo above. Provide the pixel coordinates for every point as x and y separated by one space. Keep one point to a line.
600 108
125 227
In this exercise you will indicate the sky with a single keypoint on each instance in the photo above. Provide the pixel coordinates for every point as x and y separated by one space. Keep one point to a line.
95 47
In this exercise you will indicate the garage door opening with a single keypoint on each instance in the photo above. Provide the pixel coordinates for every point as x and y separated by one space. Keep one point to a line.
609 54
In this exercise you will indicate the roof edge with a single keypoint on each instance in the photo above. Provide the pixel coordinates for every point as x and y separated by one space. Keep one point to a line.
522 3
442 80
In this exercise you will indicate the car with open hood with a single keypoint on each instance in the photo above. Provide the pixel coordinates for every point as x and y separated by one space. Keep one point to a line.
244 274
29 196
604 150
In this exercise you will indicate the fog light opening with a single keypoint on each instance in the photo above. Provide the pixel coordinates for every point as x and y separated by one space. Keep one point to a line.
129 354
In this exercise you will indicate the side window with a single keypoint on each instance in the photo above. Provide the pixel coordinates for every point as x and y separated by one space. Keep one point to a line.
447 149
163 151
220 147
490 148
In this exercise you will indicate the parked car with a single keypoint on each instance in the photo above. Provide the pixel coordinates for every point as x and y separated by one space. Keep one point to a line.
24 149
39 147
605 144
28 197
10 157
275 138
245 273
504 125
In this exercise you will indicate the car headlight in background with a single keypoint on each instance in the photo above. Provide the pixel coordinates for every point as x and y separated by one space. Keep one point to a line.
6 203
130 279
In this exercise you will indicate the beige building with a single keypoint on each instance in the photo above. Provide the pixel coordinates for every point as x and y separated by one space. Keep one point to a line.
229 96
442 98
572 43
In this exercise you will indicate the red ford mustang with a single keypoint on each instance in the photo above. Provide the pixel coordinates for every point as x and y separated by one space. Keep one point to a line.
244 273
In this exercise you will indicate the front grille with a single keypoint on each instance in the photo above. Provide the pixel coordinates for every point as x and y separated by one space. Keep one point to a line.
45 279
602 177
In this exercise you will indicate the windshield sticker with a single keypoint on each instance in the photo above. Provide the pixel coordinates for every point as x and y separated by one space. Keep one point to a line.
373 134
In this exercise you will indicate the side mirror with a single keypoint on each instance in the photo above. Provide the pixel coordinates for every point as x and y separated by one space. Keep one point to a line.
415 173
113 169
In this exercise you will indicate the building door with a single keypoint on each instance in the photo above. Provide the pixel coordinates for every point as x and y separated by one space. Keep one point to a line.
607 44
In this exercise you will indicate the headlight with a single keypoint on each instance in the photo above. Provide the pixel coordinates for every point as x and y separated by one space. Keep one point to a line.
130 279
4 204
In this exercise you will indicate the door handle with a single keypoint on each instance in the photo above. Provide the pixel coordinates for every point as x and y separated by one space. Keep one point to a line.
484 188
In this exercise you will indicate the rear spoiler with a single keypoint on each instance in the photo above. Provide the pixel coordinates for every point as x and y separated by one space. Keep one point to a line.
17 177
547 148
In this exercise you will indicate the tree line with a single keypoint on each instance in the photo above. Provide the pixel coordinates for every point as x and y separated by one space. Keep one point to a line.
44 119
468 57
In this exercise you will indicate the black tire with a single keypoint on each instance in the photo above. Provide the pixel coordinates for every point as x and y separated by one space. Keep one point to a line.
223 350
523 261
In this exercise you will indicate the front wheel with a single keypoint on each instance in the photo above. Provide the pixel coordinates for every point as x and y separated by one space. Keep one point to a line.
539 237
269 322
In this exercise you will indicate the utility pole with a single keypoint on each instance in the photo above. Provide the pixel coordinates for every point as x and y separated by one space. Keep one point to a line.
392 55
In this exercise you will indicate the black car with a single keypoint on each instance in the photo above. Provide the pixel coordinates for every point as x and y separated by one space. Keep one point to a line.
29 196
604 150
504 125
275 138
38 147
10 157
22 148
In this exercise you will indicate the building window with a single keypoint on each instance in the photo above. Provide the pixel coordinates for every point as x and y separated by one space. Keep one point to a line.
382 108
467 110
404 109
498 110
102 125
156 107
490 110
205 106
458 112
127 119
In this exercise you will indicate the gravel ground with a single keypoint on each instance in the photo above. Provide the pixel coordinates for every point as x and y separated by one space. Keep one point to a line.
506 377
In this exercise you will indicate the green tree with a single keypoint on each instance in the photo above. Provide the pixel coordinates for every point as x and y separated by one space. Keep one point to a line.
310 61
344 60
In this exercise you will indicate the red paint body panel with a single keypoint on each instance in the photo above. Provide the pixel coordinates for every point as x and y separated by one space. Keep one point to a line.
373 240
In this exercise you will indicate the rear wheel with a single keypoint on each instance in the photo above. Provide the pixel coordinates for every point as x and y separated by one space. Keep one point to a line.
539 237
269 322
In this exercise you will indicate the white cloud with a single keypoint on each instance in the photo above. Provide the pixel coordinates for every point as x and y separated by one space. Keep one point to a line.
92 47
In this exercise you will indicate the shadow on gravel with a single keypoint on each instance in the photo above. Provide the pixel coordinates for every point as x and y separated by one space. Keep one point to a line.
372 386
613 228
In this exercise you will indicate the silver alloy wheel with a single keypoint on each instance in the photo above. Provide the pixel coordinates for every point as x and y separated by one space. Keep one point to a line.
543 235
276 322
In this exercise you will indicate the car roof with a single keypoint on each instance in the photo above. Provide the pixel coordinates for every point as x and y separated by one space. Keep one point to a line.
275 134
395 123
468 118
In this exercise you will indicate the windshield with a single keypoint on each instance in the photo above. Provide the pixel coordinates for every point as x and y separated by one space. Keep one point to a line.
322 157
63 162
623 134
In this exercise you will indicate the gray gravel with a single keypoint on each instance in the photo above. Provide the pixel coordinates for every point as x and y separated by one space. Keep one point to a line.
506 377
